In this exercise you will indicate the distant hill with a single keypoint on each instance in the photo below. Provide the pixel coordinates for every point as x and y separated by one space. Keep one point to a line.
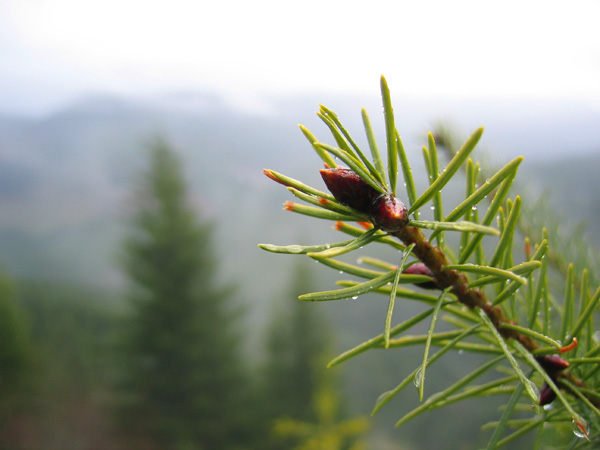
572 184
65 178
65 187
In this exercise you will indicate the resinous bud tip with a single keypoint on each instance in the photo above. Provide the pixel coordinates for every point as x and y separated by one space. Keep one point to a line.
349 189
547 395
421 269
552 363
389 214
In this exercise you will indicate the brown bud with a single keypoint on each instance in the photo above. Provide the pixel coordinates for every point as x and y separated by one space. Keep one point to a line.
349 189
422 269
385 211
547 395
389 214
552 363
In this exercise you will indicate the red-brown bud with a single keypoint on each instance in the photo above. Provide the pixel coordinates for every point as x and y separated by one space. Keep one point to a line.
547 395
349 189
385 211
552 364
389 214
422 269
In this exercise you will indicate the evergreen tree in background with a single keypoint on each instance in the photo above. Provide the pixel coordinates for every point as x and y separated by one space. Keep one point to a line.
296 343
182 378
16 356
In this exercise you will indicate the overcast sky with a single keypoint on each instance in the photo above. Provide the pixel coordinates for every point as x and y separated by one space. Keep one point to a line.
54 50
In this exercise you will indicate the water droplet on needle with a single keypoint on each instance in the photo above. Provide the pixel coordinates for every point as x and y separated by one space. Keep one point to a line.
580 428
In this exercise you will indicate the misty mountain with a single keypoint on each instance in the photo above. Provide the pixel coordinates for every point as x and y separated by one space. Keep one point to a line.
66 180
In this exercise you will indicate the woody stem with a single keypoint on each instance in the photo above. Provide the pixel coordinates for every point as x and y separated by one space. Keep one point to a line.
436 260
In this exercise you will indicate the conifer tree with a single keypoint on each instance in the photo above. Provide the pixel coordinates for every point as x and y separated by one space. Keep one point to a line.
295 343
16 356
182 378
304 407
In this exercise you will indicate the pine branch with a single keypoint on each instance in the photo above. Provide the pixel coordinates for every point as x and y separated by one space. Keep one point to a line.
458 283
538 218
366 192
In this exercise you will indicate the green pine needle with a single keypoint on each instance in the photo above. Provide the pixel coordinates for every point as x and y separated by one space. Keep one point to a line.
390 311
327 159
409 182
390 132
486 270
434 400
301 249
504 245
449 171
388 395
530 387
378 340
357 243
420 376
454 226
321 213
373 145
354 164
350 292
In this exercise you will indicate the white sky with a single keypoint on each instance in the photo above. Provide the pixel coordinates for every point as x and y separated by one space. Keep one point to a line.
53 49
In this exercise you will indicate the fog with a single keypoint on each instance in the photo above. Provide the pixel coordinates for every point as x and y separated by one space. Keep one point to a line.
86 86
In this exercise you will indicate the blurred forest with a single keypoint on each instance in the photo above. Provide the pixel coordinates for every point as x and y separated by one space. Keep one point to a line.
137 312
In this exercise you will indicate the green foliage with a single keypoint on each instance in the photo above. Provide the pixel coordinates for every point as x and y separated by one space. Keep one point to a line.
296 338
326 431
16 352
293 370
182 382
72 332
72 328
497 300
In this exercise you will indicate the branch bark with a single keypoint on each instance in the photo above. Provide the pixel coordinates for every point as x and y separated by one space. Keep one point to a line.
435 259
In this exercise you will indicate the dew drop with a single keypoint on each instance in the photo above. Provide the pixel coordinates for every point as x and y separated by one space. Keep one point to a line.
418 379
474 208
355 297
432 208
461 352
341 272
596 337
535 389
580 428
327 246
548 407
